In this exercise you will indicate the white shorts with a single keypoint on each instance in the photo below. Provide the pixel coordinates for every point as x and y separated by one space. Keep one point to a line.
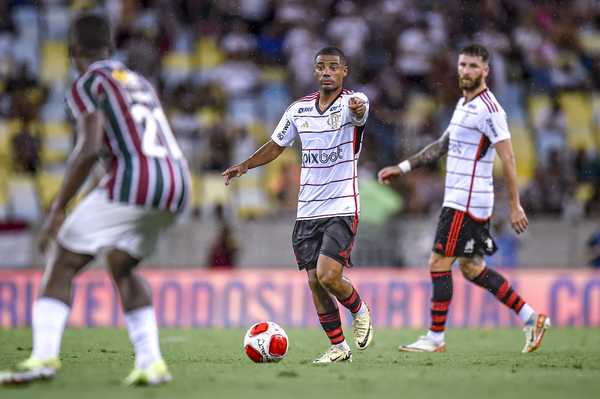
97 224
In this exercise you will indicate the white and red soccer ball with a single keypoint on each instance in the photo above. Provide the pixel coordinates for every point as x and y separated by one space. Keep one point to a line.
266 342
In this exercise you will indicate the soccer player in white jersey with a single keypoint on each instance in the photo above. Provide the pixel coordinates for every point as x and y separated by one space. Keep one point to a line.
477 131
329 124
119 118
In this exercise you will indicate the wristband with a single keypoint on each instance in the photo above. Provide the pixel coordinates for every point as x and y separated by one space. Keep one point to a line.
404 166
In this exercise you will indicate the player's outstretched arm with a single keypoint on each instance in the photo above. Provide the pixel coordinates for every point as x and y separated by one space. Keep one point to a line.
265 154
358 108
430 153
81 162
518 219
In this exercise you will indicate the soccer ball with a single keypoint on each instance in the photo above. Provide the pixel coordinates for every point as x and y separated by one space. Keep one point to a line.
265 342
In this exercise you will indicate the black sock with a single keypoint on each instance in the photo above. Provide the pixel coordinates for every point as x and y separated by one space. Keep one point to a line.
495 283
440 302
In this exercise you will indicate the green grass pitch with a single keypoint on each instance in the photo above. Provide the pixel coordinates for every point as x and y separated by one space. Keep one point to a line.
211 364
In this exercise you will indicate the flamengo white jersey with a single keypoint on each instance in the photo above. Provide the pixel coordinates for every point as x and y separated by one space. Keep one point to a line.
475 125
331 143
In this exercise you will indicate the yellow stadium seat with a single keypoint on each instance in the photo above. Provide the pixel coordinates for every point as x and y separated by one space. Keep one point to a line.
578 111
251 197
48 184
419 108
596 121
197 187
213 191
273 74
177 62
524 153
58 143
55 61
5 163
537 103
208 54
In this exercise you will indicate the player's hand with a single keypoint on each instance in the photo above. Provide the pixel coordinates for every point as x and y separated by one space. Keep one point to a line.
387 174
518 219
357 107
49 229
234 171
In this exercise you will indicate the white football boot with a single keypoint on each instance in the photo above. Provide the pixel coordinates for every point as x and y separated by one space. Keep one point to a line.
362 330
335 354
157 373
534 332
30 370
424 344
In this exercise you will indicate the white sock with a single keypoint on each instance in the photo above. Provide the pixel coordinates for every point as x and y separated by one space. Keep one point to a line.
437 337
49 318
525 313
362 310
343 345
143 334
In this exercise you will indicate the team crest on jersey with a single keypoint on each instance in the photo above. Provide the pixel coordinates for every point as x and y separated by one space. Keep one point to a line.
334 121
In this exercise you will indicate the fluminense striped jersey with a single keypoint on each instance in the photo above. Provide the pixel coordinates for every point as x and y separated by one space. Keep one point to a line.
146 165
331 143
475 125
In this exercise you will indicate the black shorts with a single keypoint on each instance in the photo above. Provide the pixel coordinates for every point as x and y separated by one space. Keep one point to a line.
459 235
332 237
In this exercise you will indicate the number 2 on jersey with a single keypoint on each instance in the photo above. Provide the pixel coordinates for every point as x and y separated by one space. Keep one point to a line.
156 128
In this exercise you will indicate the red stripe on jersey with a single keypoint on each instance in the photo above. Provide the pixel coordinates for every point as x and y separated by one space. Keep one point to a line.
479 149
354 174
113 177
171 169
78 101
487 104
309 96
142 189
491 101
171 186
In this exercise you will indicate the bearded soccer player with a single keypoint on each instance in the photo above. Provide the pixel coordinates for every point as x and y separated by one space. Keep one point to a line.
477 131
329 124
119 120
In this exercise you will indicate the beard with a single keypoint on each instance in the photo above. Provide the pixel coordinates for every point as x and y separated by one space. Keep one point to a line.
470 84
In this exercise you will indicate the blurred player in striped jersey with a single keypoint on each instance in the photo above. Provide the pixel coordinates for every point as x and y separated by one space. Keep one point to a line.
119 121
477 131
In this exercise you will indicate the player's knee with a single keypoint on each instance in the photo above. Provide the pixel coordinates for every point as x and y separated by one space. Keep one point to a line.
313 280
437 264
328 277
67 264
470 269
120 265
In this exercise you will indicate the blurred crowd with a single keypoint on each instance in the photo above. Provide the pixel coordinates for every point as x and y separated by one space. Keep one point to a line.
226 71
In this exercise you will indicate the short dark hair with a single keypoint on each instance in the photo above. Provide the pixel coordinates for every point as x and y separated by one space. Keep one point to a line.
476 50
332 50
91 32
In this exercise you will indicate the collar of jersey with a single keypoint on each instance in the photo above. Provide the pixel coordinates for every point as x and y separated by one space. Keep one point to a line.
477 95
330 104
106 63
